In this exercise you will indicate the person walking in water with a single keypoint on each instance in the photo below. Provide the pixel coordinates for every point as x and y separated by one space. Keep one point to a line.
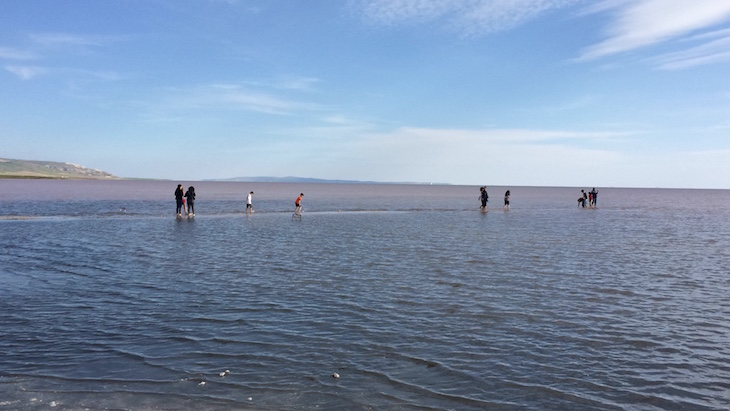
484 197
190 197
179 199
594 195
249 205
506 200
582 199
298 204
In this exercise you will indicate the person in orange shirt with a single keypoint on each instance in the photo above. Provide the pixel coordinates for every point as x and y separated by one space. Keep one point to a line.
298 204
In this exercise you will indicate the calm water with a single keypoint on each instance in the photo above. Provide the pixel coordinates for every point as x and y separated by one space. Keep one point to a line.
415 298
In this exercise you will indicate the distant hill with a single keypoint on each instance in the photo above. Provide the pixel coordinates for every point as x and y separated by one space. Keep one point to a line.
293 180
10 168
309 180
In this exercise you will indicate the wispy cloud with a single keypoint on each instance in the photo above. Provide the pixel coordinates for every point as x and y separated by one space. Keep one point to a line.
224 97
54 40
298 83
467 17
712 52
26 72
234 96
15 54
634 24
464 155
292 83
500 135
642 23
399 11
496 15
44 45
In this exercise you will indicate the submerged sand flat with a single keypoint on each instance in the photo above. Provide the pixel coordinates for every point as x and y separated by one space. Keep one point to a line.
429 304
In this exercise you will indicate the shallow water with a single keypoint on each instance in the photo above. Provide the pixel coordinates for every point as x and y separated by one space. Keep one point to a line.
414 297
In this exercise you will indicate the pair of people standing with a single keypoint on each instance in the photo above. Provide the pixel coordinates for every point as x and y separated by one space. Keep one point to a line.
297 204
181 196
593 197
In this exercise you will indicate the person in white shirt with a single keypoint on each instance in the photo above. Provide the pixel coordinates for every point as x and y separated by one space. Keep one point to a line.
249 206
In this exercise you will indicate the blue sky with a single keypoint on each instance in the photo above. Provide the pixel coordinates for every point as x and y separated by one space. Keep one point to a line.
615 93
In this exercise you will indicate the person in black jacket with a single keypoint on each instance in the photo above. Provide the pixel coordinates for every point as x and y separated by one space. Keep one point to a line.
179 198
484 197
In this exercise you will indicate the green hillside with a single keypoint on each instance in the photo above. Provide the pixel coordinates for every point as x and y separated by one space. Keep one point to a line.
48 169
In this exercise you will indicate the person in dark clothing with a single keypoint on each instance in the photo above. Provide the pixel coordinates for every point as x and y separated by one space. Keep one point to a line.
582 199
484 197
179 194
190 196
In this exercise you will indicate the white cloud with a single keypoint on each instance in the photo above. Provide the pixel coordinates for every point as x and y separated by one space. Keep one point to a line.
298 83
711 35
26 72
30 72
507 157
468 17
66 39
224 97
490 16
712 52
686 169
634 23
388 12
643 23
417 135
503 156
14 54
292 83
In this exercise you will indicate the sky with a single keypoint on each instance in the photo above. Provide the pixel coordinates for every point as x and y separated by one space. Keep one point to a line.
603 93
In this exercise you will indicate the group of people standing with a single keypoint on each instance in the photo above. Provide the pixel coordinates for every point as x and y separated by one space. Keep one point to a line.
185 201
589 197
484 198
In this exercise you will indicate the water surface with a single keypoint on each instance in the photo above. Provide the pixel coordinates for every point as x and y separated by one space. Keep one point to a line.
413 296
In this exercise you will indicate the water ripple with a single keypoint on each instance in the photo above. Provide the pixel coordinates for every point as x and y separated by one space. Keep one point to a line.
424 307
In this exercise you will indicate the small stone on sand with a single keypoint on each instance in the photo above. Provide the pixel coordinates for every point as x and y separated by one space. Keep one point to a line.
335 375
